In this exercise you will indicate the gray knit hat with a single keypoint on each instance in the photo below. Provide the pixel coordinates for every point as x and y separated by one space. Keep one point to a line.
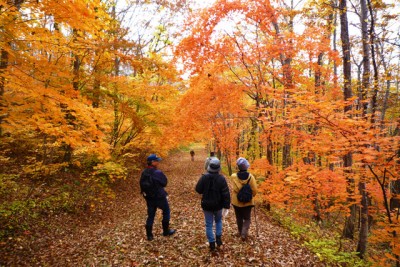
214 165
242 164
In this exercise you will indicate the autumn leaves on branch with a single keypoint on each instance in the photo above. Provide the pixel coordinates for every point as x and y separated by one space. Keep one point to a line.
267 84
318 117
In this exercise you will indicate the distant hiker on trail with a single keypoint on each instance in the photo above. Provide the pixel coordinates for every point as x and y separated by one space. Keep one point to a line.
215 196
152 183
212 156
192 155
244 187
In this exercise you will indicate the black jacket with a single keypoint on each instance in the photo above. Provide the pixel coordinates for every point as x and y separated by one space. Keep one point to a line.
213 188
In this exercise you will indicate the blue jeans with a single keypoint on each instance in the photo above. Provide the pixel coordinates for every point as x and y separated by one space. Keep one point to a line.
210 217
152 205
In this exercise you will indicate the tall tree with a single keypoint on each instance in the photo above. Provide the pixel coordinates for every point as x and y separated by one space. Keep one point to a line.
348 94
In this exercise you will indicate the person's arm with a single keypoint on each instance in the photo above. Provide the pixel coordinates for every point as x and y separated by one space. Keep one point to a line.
160 177
200 185
226 196
235 188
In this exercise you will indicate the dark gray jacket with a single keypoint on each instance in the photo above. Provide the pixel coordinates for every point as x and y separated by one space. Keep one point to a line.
215 192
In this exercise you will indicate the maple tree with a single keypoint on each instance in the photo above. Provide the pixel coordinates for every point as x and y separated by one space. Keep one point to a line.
78 95
292 106
84 98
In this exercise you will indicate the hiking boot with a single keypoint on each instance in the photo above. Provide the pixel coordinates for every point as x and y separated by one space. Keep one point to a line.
166 230
149 232
245 228
219 240
244 238
169 232
212 246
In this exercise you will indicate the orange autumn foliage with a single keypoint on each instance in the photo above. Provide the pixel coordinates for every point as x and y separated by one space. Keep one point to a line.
81 104
290 106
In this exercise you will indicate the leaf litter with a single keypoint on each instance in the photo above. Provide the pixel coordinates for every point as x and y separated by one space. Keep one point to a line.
114 235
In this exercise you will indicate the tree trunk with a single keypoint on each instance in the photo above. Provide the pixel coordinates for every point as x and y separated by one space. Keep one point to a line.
3 70
363 235
96 92
270 152
366 57
287 160
374 100
75 82
334 43
286 60
348 231
318 73
344 36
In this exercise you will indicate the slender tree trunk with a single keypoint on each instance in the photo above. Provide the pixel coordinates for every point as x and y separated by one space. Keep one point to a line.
348 231
96 91
118 120
362 186
117 115
359 87
363 235
76 65
334 43
75 82
318 73
366 56
344 36
286 60
3 70
270 151
374 101
386 97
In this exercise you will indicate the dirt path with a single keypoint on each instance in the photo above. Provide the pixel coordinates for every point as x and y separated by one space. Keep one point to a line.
119 238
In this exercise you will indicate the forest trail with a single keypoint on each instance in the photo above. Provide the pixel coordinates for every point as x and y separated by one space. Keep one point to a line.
118 238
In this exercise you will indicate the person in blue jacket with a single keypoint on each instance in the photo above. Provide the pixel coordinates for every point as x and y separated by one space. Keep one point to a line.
159 200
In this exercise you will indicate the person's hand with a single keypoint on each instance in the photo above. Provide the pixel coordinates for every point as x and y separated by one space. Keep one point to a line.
225 212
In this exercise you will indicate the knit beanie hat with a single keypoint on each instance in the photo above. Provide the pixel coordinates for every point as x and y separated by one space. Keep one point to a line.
214 165
242 164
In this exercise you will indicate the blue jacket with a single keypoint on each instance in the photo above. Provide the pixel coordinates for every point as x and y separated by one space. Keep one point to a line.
161 181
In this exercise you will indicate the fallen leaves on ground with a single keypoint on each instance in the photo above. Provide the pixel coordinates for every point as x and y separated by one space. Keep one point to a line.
116 235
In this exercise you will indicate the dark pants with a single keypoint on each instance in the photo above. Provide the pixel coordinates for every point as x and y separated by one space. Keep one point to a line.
152 205
243 219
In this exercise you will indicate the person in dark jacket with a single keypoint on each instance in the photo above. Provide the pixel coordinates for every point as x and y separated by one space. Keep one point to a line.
215 197
159 200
